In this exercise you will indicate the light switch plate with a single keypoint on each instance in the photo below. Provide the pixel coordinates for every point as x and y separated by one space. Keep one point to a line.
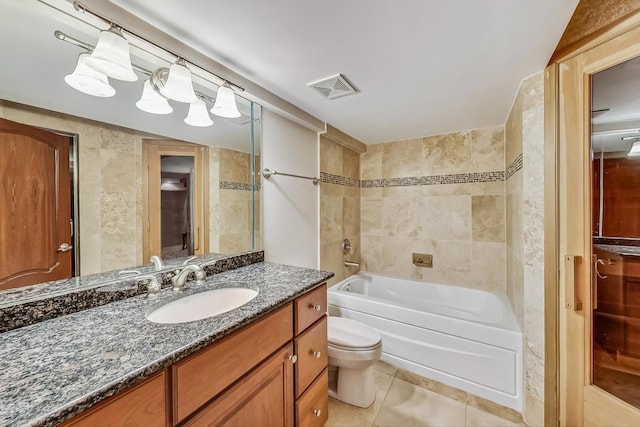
422 260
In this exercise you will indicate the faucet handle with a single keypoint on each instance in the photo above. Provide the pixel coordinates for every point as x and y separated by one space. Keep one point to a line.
188 260
153 287
158 264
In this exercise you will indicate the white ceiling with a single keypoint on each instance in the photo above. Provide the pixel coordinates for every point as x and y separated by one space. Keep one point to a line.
422 67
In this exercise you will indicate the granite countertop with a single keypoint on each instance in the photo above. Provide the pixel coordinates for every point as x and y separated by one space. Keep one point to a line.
628 251
55 369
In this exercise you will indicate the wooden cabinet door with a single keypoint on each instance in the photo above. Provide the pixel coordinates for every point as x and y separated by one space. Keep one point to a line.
35 206
142 405
263 398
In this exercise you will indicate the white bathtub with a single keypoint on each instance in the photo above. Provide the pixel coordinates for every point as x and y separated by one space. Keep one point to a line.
462 337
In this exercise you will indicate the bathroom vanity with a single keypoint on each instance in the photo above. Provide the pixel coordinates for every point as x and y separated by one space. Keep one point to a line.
264 362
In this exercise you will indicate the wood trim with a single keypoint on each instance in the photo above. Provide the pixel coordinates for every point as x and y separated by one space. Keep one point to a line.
606 33
551 254
581 402
151 151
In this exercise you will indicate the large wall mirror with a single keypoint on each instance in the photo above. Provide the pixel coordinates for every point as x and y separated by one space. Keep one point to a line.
140 184
615 148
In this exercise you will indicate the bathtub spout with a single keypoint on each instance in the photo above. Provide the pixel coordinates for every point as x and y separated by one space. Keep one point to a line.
351 264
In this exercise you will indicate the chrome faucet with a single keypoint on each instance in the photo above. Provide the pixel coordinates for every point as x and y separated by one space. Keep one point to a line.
157 262
180 278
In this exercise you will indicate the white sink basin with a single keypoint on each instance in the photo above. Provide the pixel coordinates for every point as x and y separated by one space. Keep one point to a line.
202 305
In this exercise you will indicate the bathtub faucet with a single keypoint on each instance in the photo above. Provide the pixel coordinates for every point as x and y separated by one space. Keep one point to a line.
351 264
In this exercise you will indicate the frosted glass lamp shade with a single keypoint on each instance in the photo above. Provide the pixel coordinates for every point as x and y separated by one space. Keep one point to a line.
89 81
111 56
152 102
198 115
225 105
635 150
179 86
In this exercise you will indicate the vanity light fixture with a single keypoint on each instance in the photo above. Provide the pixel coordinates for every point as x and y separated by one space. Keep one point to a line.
152 102
225 105
89 81
174 83
198 115
111 56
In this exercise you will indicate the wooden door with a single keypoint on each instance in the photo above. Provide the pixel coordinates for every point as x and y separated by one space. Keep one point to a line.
152 153
581 401
35 206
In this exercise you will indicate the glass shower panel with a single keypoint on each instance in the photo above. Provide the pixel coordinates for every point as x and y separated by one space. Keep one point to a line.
616 231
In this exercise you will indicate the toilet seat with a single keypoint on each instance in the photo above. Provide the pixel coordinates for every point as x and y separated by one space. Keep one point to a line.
350 335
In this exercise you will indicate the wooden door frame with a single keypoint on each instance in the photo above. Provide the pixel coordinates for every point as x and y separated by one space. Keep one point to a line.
161 147
552 186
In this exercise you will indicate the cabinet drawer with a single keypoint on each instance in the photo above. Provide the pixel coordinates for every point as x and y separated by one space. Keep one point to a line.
142 405
204 375
310 307
311 349
313 407
262 398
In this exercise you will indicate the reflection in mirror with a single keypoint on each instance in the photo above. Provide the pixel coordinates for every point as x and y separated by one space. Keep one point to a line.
107 197
615 145
176 206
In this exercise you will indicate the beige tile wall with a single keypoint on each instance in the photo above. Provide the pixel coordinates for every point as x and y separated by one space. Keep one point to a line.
110 186
230 209
524 136
462 225
339 209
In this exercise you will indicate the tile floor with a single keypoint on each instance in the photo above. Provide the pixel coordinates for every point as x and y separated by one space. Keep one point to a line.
404 399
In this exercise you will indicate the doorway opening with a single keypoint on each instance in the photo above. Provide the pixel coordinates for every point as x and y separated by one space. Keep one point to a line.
176 203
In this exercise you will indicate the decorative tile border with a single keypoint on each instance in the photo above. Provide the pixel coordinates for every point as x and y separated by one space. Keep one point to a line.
340 180
514 167
458 178
229 185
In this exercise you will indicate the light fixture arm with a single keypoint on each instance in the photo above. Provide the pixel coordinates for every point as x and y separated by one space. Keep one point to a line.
79 6
89 48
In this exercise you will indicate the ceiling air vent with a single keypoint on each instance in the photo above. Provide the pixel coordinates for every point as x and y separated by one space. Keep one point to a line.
333 87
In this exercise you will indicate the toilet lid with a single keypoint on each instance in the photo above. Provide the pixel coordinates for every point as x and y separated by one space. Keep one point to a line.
350 333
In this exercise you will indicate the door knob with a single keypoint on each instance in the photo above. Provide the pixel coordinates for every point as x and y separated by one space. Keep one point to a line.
64 247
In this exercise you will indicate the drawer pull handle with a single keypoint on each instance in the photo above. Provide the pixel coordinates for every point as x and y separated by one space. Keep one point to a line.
317 354
316 307
293 358
317 412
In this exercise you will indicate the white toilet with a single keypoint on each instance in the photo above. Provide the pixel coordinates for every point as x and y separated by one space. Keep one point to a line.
353 349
